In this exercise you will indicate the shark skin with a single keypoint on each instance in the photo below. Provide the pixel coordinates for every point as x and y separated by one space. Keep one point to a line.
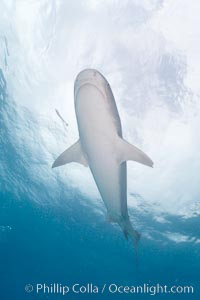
101 146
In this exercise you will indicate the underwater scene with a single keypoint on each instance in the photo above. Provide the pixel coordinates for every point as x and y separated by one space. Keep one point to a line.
56 240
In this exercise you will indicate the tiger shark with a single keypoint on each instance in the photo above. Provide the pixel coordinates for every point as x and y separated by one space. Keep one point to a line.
102 147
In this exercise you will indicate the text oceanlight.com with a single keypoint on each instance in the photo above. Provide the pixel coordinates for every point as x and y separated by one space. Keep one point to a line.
112 288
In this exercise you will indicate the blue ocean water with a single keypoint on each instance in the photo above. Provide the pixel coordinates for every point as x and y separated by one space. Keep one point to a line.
53 227
67 242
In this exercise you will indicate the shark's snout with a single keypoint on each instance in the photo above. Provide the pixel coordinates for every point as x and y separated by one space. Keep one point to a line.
88 76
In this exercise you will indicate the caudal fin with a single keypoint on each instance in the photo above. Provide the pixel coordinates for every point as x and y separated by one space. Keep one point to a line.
130 232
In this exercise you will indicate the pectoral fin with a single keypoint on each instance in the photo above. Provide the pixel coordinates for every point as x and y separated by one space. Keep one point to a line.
129 152
72 154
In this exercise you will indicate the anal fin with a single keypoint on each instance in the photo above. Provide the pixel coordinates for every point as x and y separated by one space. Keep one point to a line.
109 218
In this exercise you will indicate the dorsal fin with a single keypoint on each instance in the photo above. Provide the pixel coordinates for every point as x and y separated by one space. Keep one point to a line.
72 154
127 151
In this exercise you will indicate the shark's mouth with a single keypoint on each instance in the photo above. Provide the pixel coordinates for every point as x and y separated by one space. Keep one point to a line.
90 77
99 85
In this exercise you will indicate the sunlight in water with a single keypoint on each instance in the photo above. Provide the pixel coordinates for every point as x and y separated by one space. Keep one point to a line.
153 71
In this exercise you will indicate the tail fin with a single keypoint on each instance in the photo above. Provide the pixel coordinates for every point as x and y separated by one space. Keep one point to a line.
130 232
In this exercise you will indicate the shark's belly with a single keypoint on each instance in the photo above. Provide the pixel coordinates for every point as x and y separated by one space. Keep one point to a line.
98 129
95 114
110 179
